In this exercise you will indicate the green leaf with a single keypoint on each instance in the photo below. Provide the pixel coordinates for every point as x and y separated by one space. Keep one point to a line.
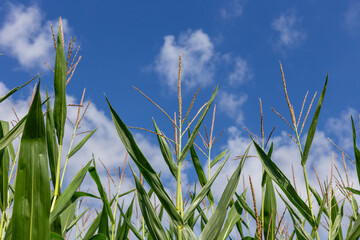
152 221
299 229
60 89
204 191
218 158
245 205
269 210
13 134
356 150
69 195
200 172
281 180
93 227
80 144
336 226
104 224
99 236
95 177
357 192
55 236
233 217
32 190
12 91
318 200
123 230
354 231
4 168
213 227
144 167
165 151
52 146
197 127
66 217
75 220
128 222
312 129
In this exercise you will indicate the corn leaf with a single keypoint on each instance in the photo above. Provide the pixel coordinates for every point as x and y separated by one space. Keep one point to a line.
52 146
12 91
144 166
312 128
197 127
69 195
99 236
336 224
218 158
187 233
243 204
4 168
213 227
356 150
60 89
354 231
12 134
130 225
95 177
165 151
93 227
81 144
66 217
151 219
269 210
123 229
32 189
233 217
281 180
54 235
204 191
104 224
200 172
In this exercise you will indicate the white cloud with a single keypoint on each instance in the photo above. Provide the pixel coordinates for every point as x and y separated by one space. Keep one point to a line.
285 155
287 26
231 104
340 128
26 36
233 9
197 53
352 15
241 73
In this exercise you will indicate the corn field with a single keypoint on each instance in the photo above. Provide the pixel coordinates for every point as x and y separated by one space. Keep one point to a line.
35 204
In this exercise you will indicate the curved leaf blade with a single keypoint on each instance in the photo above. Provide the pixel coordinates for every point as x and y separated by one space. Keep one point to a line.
283 182
60 89
215 223
32 189
312 128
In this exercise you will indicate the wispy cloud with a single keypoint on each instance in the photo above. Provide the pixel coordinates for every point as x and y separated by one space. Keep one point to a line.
233 9
241 73
232 104
197 51
26 36
288 30
352 16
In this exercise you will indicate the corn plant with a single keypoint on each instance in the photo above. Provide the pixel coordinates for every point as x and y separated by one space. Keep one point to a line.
35 204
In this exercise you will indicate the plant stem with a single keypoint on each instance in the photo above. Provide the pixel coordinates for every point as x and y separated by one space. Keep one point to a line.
309 199
179 203
2 223
115 208
67 158
56 192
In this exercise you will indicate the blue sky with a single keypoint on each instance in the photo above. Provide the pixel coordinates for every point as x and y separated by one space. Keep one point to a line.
236 44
